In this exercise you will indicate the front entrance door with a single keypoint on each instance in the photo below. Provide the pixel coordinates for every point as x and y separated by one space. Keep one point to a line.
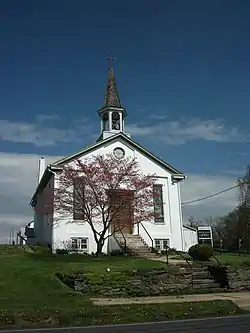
123 218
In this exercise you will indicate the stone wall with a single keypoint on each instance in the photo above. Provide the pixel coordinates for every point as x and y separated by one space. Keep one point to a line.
239 278
140 283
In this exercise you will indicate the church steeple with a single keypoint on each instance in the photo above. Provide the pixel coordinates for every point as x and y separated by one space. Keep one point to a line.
112 113
111 95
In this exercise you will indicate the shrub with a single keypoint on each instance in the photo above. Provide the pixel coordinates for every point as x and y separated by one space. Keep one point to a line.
155 250
200 252
62 251
116 253
219 274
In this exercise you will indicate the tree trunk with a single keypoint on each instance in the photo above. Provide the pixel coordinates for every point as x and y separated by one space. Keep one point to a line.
99 247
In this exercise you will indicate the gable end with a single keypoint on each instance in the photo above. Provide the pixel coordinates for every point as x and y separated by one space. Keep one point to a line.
131 142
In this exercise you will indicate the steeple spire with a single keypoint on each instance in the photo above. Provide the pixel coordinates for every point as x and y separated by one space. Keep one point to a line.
112 113
111 96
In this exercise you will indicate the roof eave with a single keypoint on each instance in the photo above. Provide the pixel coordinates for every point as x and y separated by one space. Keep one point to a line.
188 227
111 108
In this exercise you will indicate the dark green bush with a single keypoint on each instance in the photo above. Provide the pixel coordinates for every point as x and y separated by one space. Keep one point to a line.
116 253
219 274
200 252
154 250
62 251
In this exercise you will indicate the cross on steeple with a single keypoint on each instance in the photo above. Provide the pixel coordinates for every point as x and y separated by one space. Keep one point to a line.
111 59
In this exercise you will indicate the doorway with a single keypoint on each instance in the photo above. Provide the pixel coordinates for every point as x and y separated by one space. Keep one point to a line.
123 211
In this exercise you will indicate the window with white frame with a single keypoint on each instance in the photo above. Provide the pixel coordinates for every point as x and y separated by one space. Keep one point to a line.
162 244
79 244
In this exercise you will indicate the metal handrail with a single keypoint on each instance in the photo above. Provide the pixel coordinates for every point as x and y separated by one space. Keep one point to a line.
125 242
152 241
181 255
118 242
226 272
217 261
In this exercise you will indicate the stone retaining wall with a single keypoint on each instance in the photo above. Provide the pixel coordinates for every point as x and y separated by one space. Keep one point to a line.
141 283
238 278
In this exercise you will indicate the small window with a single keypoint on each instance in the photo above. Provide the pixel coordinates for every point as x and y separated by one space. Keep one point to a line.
74 244
79 244
162 244
158 244
84 243
165 243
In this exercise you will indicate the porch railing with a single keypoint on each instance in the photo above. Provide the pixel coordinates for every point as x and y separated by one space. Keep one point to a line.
150 237
184 258
174 250
124 241
117 242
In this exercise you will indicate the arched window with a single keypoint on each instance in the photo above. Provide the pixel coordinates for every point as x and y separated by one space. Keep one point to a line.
105 119
116 121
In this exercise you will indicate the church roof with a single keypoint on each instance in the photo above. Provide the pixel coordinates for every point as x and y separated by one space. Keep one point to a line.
58 165
189 227
131 142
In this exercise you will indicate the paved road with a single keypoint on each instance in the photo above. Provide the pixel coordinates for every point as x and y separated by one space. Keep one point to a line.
239 324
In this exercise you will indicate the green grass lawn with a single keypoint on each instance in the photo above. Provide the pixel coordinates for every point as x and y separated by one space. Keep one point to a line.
28 280
232 259
30 293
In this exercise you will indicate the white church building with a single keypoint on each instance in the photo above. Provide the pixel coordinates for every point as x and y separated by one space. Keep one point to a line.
168 230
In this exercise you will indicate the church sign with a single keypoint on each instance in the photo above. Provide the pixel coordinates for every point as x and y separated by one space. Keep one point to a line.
205 235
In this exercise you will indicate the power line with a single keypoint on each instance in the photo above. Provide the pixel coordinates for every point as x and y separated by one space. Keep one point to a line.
211 195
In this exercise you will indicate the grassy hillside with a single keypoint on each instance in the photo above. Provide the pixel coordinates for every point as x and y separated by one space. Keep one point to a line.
31 294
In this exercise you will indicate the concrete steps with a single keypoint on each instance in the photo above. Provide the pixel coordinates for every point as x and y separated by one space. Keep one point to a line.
201 277
135 245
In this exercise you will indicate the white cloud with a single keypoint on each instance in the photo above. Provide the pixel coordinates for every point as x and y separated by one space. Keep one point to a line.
46 131
236 172
18 179
180 132
200 186
46 117
40 134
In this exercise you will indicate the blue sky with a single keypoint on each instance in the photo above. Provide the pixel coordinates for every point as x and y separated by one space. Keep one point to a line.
182 71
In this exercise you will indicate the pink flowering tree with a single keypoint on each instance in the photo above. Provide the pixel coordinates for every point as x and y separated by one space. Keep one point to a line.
105 193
